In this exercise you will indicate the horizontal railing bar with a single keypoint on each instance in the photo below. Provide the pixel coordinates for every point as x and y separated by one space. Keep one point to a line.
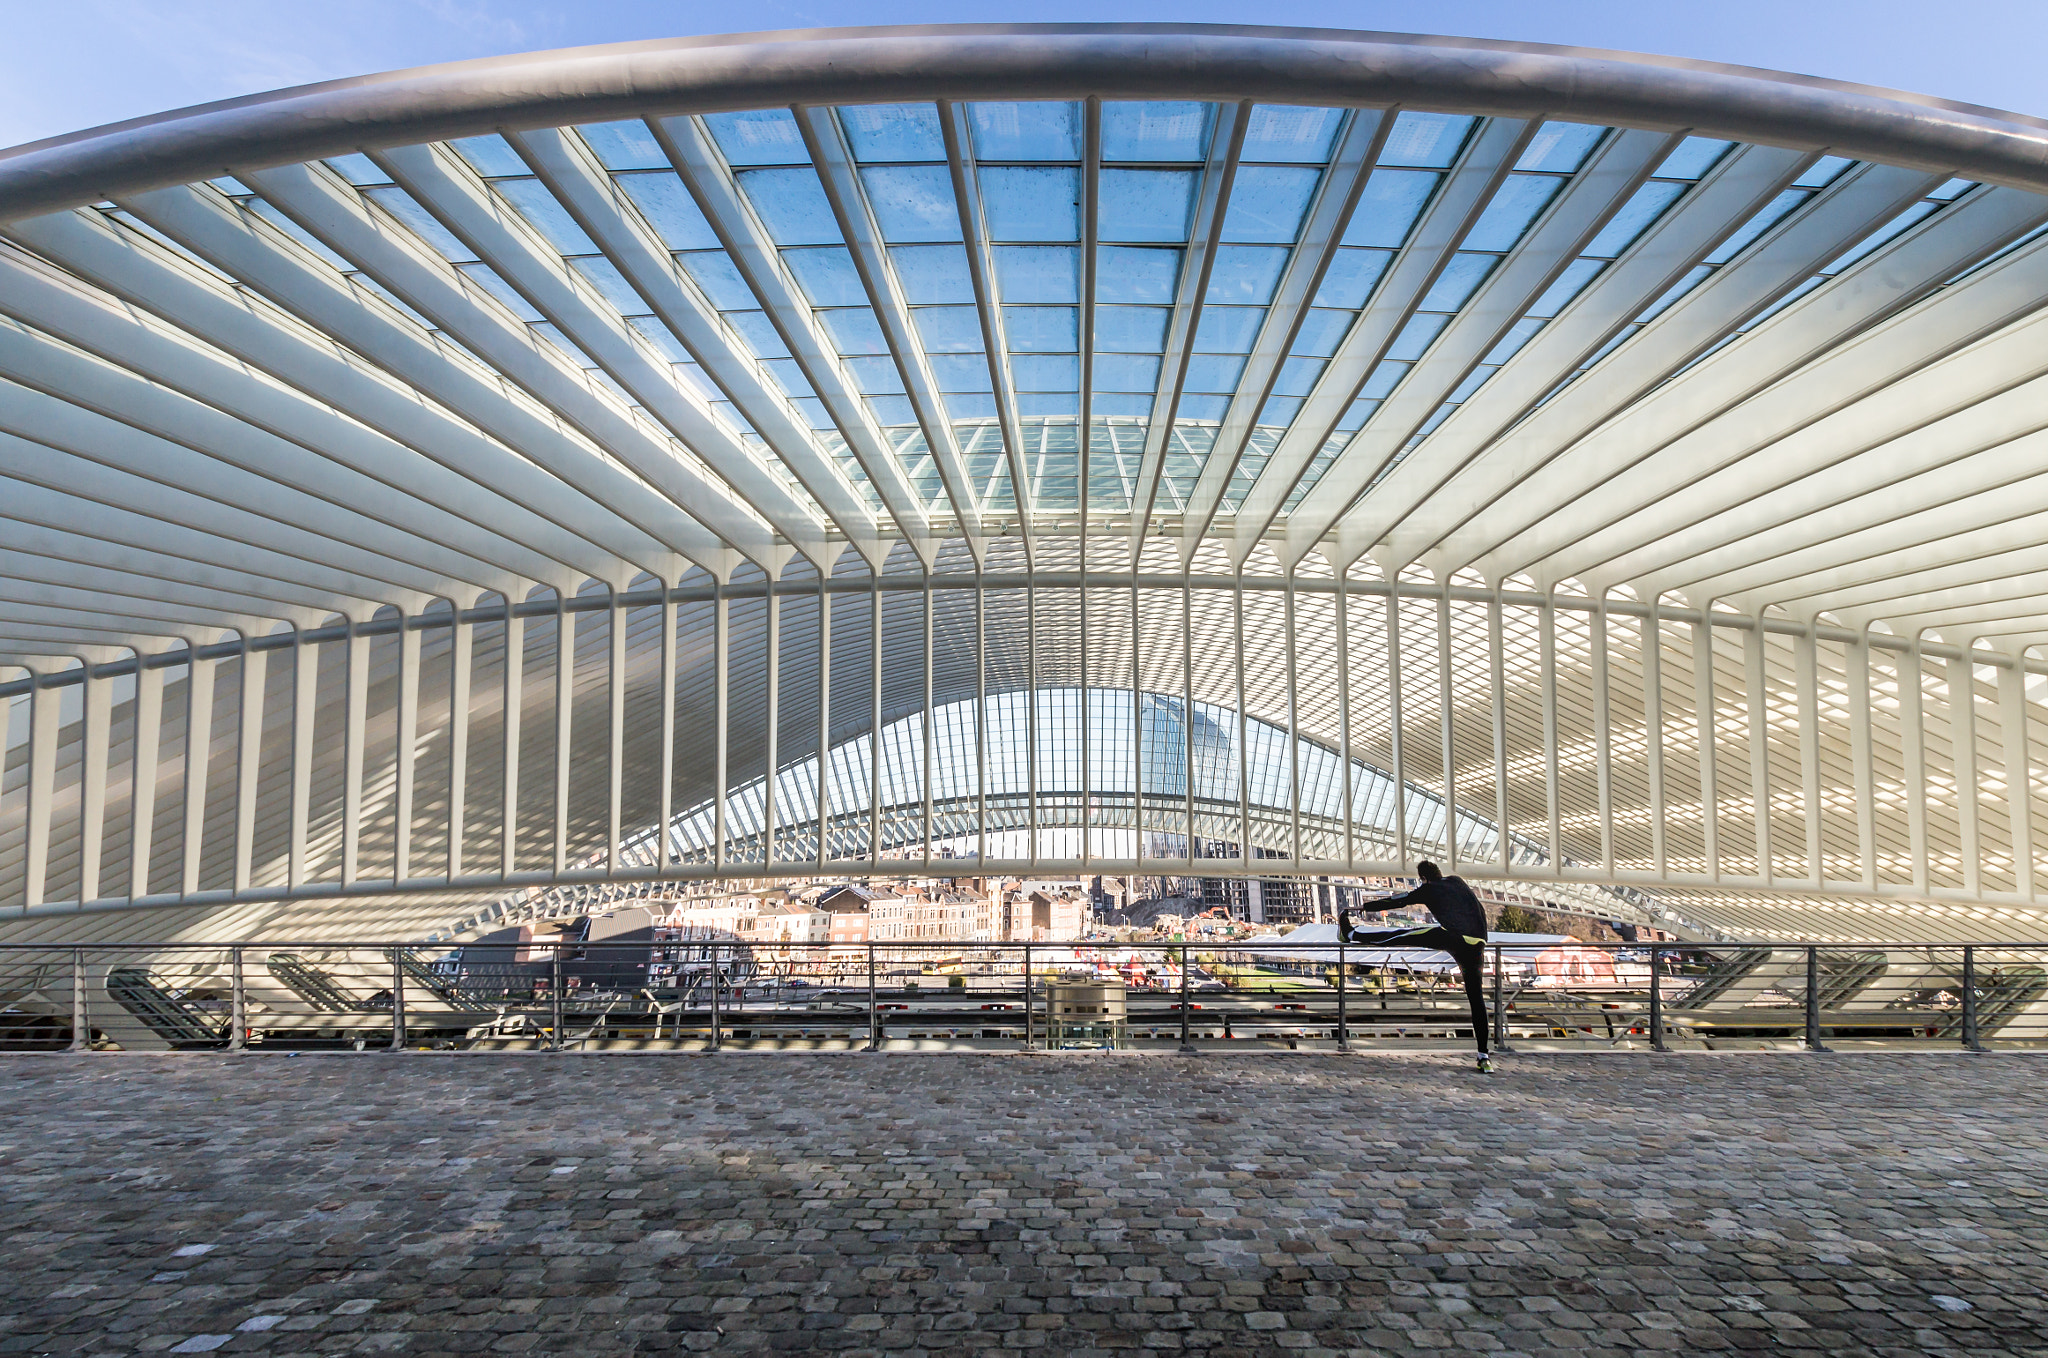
1247 946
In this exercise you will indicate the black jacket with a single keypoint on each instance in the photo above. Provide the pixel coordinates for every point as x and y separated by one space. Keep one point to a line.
1451 901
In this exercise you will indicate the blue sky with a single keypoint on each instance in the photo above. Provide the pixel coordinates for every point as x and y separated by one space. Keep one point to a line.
70 64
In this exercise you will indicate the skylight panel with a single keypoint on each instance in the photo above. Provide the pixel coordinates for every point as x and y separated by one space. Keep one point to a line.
827 276
1030 202
788 376
1228 330
1560 148
1196 406
1042 329
1761 221
720 279
875 375
913 203
791 204
1268 202
1823 172
1426 140
490 155
1131 329
933 275
1417 335
1246 274
1515 204
298 233
765 136
1039 273
1644 206
1693 158
1567 285
1285 132
1145 205
758 332
1912 215
1298 376
624 146
1136 274
603 275
970 405
1213 372
1460 278
1388 206
855 330
893 132
507 296
358 169
1126 372
670 210
948 329
961 372
531 199
421 223
1026 131
1321 332
1046 372
1155 131
657 334
1351 277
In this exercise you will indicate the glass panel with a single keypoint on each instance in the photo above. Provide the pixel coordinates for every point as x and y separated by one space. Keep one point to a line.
1132 274
1576 275
1246 274
876 376
1560 147
913 202
670 210
603 275
961 372
533 201
490 155
1426 140
1145 205
933 274
1351 277
1046 372
1155 131
1126 372
1131 328
765 136
1212 372
1321 332
1289 133
1417 336
1027 131
720 279
624 146
1693 158
1031 202
1457 282
792 205
948 329
1268 202
1388 207
827 277
893 132
1228 330
1644 206
855 330
1038 273
1514 205
1042 329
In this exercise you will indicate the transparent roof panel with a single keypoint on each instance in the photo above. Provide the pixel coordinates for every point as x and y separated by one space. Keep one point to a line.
1426 140
1388 206
900 132
1026 131
1132 274
827 276
624 146
767 136
1268 202
1145 205
1246 274
670 210
791 203
490 155
1155 131
1031 202
933 275
1038 273
1280 132
912 202
1560 147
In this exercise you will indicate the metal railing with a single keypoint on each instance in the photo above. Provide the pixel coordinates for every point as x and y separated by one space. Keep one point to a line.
1189 995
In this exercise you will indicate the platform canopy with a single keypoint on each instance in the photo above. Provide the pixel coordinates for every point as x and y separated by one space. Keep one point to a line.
425 487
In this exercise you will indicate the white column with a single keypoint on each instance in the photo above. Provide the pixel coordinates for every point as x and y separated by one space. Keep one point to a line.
1703 715
248 758
926 835
665 838
824 714
1293 725
1187 707
1394 699
774 606
2019 777
875 719
1444 719
1547 632
722 689
199 684
565 709
1806 675
1496 659
409 639
515 701
1913 736
461 645
1653 732
616 688
1962 740
1856 667
92 784
1344 716
305 690
1756 701
1603 734
354 718
1244 774
149 715
45 703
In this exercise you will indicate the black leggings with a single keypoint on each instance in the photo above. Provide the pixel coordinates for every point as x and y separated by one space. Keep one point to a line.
1470 957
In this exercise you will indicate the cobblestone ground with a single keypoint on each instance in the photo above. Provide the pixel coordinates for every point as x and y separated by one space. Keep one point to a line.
1065 1204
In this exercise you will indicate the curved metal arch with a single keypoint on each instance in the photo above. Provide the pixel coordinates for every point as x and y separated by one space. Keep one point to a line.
1028 61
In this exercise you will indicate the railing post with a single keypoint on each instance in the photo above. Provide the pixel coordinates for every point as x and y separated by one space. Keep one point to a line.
1970 1041
555 1000
1657 1001
398 999
874 1009
1027 997
1187 1048
1500 1008
239 1004
1813 1042
81 1028
717 984
1343 993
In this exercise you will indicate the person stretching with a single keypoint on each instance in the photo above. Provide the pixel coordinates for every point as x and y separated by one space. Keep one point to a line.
1460 931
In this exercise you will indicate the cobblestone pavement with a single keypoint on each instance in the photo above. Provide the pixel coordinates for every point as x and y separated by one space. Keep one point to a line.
1077 1204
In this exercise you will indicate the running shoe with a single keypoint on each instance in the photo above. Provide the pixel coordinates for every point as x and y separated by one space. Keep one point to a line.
1485 1064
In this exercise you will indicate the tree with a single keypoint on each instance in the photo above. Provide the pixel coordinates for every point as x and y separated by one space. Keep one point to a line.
1516 920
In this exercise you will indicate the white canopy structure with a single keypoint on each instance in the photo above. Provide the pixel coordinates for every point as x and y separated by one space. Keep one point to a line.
1134 449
